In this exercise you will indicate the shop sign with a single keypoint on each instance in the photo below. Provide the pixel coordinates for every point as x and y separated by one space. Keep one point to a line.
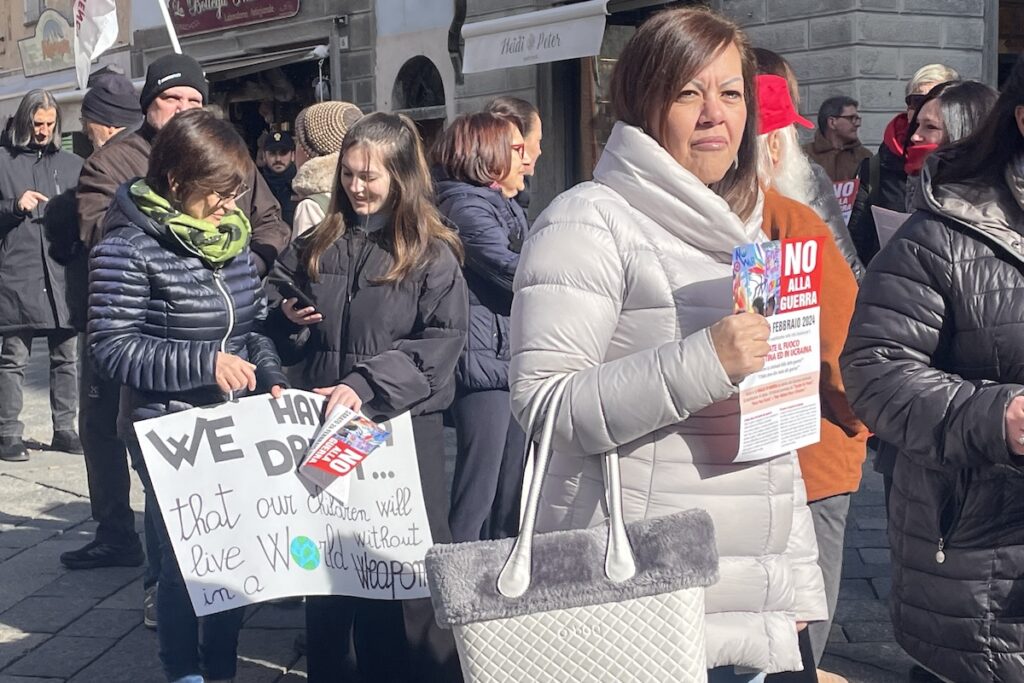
202 16
565 32
50 47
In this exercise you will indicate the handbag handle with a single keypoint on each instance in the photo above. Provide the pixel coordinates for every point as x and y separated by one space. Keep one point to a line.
514 579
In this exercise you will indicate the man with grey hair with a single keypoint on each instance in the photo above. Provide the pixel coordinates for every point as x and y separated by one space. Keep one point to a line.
38 240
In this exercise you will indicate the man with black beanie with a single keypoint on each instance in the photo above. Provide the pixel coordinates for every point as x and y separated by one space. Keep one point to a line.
174 83
110 108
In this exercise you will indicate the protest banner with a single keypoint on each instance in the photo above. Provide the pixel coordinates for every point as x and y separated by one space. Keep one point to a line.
780 408
846 195
887 222
246 527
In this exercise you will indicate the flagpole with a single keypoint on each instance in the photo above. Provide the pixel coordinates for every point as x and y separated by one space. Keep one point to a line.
172 34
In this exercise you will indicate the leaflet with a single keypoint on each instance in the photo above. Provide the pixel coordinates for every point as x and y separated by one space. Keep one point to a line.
780 408
344 441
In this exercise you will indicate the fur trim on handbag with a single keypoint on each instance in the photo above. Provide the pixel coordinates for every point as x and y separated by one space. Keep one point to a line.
672 553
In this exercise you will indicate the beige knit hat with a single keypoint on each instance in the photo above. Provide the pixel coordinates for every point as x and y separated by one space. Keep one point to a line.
321 128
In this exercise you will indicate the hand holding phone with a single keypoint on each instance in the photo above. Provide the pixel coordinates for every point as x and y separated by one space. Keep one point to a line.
298 307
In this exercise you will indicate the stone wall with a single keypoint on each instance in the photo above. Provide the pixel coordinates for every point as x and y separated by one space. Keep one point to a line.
867 49
479 88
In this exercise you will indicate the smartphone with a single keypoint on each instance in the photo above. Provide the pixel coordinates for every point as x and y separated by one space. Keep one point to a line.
291 291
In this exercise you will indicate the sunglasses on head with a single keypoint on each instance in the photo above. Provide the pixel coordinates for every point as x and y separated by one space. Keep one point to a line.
915 101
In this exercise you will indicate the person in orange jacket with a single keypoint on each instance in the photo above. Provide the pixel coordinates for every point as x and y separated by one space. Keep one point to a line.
832 467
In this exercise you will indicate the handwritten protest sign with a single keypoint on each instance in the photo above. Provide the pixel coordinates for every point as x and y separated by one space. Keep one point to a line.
846 195
780 409
246 527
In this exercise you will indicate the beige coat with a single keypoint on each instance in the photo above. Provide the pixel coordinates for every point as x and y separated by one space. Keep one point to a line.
617 286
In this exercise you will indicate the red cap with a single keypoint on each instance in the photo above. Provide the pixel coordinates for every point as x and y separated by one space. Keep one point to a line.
775 106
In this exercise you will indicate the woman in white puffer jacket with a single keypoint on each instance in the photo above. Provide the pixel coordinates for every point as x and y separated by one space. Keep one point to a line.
625 285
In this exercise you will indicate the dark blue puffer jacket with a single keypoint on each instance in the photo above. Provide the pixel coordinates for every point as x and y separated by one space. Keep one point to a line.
492 228
158 315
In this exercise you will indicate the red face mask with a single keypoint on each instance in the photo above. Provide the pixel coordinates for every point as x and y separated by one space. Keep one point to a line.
916 156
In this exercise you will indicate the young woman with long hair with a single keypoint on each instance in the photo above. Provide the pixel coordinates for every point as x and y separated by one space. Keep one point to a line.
384 337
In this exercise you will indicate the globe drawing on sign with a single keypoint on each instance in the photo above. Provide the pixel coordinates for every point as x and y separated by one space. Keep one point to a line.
305 553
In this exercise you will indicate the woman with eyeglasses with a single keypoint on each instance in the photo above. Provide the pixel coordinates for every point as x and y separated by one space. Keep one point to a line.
175 304
480 164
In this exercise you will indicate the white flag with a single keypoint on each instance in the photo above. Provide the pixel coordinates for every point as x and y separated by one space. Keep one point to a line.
95 32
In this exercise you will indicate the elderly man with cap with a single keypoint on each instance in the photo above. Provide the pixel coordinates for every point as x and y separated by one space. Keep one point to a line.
110 109
174 83
832 467
279 171
319 131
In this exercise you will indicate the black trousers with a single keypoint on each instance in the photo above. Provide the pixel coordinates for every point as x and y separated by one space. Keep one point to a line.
488 468
106 458
358 640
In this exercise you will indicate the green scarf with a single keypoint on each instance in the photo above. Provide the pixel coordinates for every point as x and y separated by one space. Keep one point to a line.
215 244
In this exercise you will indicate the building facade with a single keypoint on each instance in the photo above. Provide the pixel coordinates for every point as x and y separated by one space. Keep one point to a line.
37 51
266 59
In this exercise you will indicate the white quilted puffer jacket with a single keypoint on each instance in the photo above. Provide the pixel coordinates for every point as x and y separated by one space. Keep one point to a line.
617 286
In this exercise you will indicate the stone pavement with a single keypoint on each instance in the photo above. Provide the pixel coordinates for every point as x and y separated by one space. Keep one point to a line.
85 627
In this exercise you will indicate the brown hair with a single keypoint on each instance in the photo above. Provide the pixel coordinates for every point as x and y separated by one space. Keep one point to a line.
201 153
476 148
414 222
665 54
519 110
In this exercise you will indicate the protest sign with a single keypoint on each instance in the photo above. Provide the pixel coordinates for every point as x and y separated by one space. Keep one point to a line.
846 195
780 409
246 527
887 222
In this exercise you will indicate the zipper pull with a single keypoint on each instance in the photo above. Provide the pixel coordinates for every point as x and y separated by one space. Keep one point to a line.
940 556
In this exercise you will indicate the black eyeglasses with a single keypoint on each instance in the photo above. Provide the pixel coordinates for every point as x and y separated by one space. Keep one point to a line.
852 118
234 196
915 101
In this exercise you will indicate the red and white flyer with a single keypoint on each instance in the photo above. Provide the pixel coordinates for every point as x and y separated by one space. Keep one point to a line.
846 195
780 408
344 441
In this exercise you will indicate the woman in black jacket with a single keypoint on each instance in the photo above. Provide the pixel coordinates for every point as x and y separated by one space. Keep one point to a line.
481 160
384 337
934 364
174 306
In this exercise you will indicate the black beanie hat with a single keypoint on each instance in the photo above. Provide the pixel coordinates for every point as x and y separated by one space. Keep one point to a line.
111 101
171 71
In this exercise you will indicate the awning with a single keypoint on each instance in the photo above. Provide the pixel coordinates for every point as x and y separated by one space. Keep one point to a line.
242 65
565 32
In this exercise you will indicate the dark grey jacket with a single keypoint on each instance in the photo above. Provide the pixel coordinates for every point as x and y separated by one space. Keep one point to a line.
37 247
396 345
934 355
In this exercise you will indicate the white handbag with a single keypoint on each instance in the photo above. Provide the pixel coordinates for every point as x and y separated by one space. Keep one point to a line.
613 604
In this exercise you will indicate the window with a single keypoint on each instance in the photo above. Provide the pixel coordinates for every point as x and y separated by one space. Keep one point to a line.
33 8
